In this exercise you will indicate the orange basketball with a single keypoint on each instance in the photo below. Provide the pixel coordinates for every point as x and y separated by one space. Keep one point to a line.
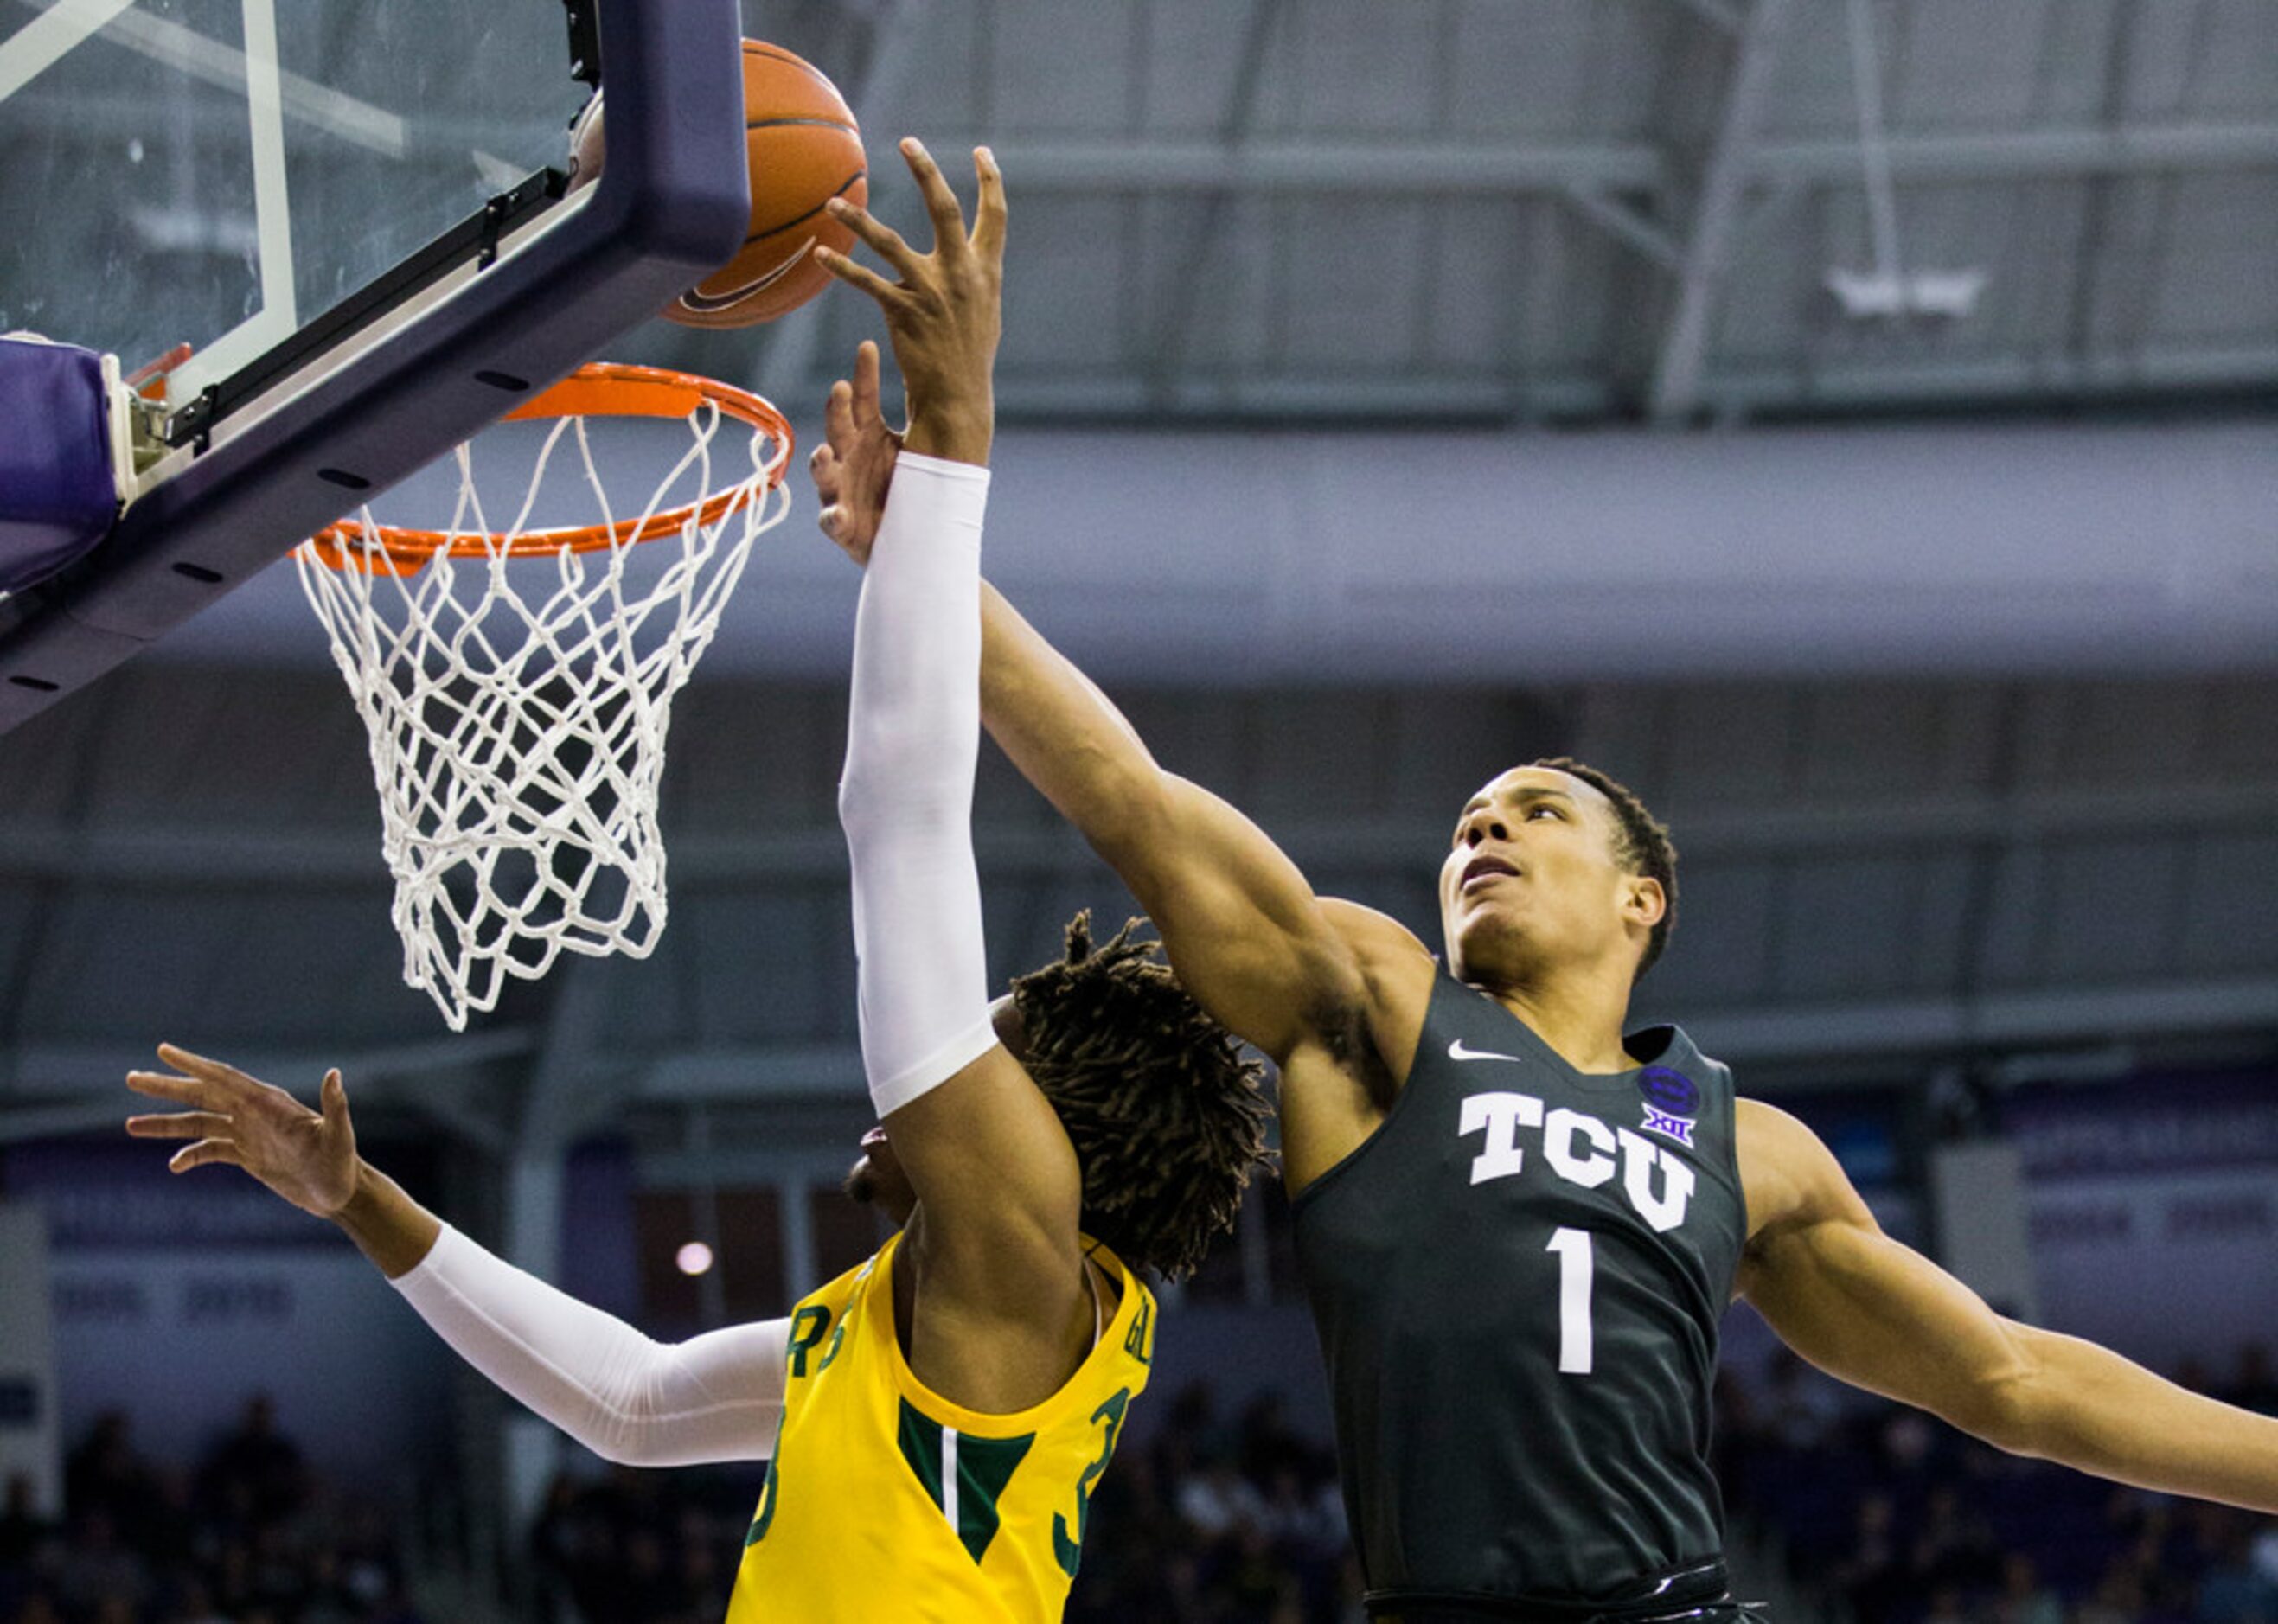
804 149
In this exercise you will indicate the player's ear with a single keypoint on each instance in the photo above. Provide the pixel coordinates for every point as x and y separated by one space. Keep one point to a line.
1643 903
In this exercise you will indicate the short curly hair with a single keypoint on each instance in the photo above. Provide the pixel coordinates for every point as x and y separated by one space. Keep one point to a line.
1166 1114
1641 845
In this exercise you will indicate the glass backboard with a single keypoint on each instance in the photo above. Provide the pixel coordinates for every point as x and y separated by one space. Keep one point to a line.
357 217
223 172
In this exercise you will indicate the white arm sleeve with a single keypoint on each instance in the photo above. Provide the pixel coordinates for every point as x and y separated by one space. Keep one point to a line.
717 1397
906 801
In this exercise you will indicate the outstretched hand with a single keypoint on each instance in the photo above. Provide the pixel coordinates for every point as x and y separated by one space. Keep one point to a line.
307 1157
944 315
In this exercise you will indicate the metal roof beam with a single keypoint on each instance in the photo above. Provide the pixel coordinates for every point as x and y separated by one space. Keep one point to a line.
1717 13
81 1088
1723 185
48 1071
1998 377
1174 321
2020 155
1035 168
1367 397
1055 397
1640 232
2037 1016
752 1073
1043 167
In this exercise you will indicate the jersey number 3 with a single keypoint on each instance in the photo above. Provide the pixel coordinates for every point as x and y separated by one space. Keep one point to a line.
1576 1266
1069 1547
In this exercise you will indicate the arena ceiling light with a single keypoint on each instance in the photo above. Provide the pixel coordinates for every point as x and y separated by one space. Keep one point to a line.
1888 292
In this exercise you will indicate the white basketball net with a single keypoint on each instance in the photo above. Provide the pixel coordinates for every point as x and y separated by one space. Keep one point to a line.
518 707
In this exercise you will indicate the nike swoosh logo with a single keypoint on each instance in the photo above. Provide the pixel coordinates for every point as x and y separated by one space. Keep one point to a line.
1456 1051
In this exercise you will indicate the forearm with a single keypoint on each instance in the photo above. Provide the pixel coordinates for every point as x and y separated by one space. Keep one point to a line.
1063 734
906 800
631 1400
2087 1408
914 710
1244 932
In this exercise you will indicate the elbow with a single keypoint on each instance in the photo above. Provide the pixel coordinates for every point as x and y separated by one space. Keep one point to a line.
1127 813
2002 1416
615 1433
633 1443
2009 1408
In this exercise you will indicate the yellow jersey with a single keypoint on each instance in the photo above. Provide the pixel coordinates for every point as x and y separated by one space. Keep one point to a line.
886 1504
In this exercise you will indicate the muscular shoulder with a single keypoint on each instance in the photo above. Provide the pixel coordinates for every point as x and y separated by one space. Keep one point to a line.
1788 1176
1385 953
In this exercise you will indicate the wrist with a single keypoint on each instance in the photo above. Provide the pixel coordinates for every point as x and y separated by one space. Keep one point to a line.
959 433
388 1227
361 1209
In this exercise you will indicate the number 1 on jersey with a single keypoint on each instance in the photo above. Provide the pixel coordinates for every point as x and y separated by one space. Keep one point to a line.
1576 1266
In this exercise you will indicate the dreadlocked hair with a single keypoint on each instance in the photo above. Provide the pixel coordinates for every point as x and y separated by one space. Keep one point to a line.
1166 1116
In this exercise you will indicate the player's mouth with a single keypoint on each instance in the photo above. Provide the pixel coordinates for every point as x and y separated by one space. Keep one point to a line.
876 1136
1484 868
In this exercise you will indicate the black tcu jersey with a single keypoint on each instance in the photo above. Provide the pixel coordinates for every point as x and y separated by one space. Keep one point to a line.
1518 1282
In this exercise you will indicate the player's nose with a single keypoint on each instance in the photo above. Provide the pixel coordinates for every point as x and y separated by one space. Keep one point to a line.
1482 825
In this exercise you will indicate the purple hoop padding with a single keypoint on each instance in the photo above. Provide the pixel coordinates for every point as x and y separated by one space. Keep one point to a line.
58 498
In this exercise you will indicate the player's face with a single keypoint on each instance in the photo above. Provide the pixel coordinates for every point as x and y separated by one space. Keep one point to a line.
1531 879
877 1177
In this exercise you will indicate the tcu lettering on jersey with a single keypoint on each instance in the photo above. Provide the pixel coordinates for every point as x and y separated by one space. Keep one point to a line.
1579 1149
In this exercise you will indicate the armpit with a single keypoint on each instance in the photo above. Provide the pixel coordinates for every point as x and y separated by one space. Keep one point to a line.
1340 1026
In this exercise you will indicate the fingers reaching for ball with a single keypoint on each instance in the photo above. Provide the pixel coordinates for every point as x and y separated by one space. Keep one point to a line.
949 238
943 314
988 212
882 240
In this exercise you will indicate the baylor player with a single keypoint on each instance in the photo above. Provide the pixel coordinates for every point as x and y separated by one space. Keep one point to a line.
1519 1224
936 1419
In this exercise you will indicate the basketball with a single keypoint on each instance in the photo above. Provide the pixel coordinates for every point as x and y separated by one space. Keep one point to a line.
804 149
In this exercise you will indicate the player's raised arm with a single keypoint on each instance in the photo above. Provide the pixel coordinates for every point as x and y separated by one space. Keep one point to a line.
1878 1314
1243 928
1248 937
629 1399
1004 1308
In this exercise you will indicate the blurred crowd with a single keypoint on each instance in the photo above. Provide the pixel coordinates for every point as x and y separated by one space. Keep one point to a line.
249 1536
1214 1517
1221 1519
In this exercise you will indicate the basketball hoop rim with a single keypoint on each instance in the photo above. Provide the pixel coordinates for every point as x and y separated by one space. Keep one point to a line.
598 389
